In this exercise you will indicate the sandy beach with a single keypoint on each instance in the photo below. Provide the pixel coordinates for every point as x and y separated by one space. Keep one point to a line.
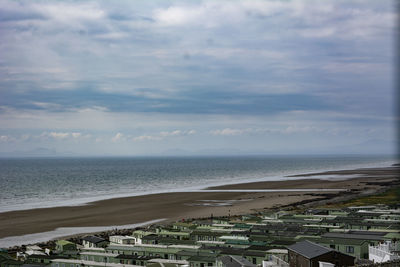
176 206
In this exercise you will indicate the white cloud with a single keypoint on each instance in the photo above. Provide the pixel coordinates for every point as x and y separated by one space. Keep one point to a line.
59 135
229 131
7 138
147 138
367 23
117 137
319 19
177 133
70 13
76 135
178 15
173 133
56 136
112 36
163 135
291 129
216 13
243 131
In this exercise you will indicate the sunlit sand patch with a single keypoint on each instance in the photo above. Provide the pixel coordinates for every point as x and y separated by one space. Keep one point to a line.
266 190
334 177
217 203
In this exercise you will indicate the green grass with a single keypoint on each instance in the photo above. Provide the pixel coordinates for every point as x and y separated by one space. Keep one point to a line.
389 197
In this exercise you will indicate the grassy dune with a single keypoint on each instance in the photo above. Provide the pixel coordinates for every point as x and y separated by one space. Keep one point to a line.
389 197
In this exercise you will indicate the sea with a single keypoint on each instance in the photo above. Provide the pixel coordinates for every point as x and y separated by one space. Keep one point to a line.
30 183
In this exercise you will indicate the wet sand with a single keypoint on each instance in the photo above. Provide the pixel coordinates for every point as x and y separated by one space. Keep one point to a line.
175 206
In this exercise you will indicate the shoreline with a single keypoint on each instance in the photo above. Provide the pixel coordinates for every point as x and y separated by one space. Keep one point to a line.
182 205
270 178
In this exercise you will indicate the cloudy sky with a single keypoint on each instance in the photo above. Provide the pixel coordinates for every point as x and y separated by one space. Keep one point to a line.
197 77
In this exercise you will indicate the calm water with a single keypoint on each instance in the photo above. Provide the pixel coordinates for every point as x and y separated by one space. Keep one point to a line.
34 183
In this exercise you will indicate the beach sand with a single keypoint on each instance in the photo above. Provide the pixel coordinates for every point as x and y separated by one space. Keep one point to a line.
176 206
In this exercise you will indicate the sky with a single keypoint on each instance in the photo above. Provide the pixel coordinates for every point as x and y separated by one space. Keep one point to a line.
126 78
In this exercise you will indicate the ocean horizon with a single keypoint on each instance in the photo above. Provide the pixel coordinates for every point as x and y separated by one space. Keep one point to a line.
30 183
